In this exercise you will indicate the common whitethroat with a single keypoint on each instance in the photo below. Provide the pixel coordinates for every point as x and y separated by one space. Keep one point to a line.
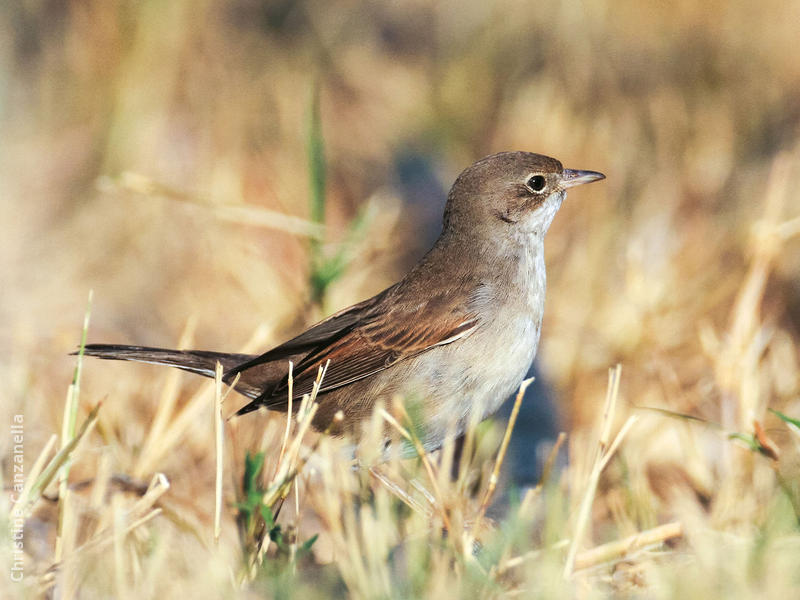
458 332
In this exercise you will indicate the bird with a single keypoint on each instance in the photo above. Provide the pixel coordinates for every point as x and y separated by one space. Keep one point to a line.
457 334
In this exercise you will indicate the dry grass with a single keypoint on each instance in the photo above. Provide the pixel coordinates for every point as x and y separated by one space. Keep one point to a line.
157 153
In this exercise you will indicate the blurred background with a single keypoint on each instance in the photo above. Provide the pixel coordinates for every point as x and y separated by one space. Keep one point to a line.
157 153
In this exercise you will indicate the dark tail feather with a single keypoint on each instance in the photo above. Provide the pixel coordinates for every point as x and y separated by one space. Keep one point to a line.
200 362
248 408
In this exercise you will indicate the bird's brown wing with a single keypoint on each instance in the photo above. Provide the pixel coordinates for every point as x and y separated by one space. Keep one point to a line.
360 341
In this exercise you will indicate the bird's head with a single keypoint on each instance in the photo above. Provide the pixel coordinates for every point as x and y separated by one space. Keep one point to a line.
510 192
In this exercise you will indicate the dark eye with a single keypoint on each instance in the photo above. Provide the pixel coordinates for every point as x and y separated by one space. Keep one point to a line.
536 183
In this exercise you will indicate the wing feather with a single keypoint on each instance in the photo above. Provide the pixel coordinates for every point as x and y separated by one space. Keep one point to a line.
363 340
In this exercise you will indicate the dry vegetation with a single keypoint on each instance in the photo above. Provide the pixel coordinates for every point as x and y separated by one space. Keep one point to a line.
158 154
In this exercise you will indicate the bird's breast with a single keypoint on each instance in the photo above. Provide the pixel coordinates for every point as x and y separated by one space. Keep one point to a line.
474 375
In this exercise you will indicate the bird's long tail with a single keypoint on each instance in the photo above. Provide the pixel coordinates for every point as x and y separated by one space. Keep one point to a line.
200 362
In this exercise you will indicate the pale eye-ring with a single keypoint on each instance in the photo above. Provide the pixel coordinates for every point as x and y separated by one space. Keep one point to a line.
535 183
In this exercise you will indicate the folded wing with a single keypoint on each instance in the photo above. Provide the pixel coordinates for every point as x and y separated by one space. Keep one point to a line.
359 341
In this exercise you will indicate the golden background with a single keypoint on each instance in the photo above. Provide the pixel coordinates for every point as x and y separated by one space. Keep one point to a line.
144 142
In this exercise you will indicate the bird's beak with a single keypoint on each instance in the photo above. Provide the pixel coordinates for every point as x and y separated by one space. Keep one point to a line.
571 178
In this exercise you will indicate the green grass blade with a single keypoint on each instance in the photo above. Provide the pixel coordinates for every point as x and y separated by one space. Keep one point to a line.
786 419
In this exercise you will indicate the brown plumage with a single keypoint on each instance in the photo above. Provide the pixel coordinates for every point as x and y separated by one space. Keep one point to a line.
458 332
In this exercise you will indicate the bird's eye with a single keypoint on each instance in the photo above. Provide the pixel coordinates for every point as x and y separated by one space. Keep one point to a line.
536 183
